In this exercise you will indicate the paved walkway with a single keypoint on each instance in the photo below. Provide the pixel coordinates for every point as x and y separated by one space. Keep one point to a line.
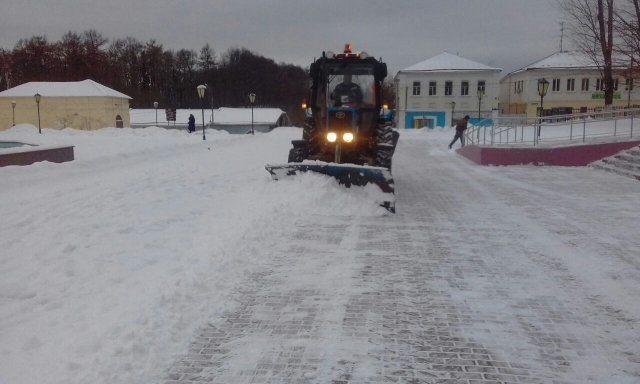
485 276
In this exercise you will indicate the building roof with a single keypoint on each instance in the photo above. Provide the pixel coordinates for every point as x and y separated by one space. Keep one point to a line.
222 116
85 88
569 60
446 62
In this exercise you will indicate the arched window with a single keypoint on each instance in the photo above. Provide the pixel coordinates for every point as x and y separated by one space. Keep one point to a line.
119 122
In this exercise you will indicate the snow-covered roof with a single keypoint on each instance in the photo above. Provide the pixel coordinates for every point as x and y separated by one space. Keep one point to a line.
85 88
570 60
448 62
226 116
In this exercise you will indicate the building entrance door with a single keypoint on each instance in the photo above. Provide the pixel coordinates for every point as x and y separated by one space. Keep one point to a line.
119 122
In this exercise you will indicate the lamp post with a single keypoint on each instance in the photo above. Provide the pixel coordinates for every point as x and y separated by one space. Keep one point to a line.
201 89
155 105
480 95
453 108
252 99
543 86
13 105
37 97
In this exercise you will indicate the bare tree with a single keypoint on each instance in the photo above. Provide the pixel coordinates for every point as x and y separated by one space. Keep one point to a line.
591 24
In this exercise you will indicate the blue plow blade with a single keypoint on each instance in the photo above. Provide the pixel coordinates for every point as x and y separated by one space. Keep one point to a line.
346 174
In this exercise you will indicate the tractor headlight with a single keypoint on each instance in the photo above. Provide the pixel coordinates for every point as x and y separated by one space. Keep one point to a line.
331 137
347 137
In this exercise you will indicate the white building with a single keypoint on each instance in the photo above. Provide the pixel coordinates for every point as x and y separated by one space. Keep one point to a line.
426 92
575 85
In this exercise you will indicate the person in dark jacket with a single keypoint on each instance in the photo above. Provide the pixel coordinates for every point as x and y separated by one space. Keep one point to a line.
460 128
346 92
192 123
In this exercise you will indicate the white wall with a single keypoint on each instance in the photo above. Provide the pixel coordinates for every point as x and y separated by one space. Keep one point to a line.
464 104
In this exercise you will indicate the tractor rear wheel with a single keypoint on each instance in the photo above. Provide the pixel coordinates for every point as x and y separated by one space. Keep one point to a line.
384 132
310 135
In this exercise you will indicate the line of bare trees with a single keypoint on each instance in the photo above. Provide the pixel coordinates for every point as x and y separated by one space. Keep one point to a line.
147 72
607 31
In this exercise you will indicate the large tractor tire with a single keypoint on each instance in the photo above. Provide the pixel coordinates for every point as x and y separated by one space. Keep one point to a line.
384 154
384 132
298 153
310 134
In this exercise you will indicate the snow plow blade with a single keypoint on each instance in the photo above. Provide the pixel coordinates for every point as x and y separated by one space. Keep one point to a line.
346 174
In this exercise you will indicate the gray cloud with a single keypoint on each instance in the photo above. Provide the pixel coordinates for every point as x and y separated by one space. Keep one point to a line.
508 34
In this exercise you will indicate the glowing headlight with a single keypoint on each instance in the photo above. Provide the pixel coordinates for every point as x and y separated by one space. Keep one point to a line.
332 137
347 137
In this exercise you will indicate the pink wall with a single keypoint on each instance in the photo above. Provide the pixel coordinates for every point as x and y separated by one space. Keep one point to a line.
571 156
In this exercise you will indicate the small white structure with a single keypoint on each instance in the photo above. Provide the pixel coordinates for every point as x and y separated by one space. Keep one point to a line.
85 105
426 92
575 85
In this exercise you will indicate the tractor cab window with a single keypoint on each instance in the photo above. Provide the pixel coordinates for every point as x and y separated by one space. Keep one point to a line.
351 85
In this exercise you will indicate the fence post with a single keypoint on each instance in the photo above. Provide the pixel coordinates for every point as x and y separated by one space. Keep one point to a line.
571 133
484 135
492 127
632 126
584 128
571 125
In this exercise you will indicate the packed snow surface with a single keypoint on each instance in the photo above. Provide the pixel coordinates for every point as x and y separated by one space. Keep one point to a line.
112 264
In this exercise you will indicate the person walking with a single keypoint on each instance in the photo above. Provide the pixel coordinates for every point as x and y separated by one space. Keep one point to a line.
192 123
460 128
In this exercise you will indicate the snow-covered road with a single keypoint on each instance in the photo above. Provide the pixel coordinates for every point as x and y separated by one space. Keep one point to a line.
155 257
485 275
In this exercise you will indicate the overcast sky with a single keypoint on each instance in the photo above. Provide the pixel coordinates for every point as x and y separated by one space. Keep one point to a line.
507 34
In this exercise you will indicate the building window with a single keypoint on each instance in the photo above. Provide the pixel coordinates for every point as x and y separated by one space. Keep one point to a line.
432 88
628 84
464 89
448 88
555 87
615 84
416 88
599 84
515 87
571 85
585 84
481 86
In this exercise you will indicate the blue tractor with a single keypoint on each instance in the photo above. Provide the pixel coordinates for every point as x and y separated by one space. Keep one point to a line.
348 132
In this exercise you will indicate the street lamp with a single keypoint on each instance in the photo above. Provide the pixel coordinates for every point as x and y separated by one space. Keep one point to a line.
543 86
480 95
453 107
37 97
155 105
201 89
252 99
13 105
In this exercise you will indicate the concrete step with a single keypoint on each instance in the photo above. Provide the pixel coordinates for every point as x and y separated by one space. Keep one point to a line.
619 171
620 163
628 157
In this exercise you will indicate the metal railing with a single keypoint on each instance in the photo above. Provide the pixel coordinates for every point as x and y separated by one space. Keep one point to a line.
596 126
